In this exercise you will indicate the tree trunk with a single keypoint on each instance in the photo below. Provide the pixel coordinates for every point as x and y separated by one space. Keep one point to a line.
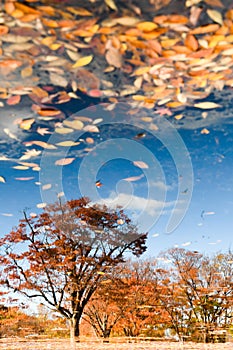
106 335
74 331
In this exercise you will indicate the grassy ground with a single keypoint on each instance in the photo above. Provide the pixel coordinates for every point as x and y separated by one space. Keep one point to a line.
26 344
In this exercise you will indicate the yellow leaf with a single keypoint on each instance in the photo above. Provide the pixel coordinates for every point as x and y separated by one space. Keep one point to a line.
83 61
74 124
48 40
67 143
147 119
111 4
141 70
179 116
2 179
206 105
147 26
63 130
215 16
26 124
21 167
205 131
26 72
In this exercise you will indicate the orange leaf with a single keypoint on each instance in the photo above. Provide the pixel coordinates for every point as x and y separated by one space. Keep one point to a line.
48 112
13 100
191 42
3 30
26 9
205 29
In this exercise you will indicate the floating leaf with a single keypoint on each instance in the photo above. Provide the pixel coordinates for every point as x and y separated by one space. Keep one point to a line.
67 143
3 30
64 161
140 164
20 167
26 72
13 100
43 144
205 131
57 80
75 56
30 153
216 3
111 4
80 11
41 205
98 184
63 130
83 61
74 124
207 105
60 194
30 165
24 178
205 29
48 112
26 124
147 26
43 131
91 128
215 16
2 179
186 244
191 42
46 187
134 178
10 134
90 140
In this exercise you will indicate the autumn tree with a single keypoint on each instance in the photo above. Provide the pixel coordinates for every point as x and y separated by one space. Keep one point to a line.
61 255
125 300
105 307
205 288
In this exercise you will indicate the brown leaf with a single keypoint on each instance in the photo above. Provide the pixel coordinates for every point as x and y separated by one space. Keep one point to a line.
214 3
86 80
113 57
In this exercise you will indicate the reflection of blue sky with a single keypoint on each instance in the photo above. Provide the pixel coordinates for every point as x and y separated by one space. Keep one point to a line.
208 221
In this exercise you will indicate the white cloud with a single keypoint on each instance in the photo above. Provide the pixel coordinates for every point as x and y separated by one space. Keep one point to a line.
135 203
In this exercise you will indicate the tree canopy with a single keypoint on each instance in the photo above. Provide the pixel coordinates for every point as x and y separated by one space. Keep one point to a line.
62 254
